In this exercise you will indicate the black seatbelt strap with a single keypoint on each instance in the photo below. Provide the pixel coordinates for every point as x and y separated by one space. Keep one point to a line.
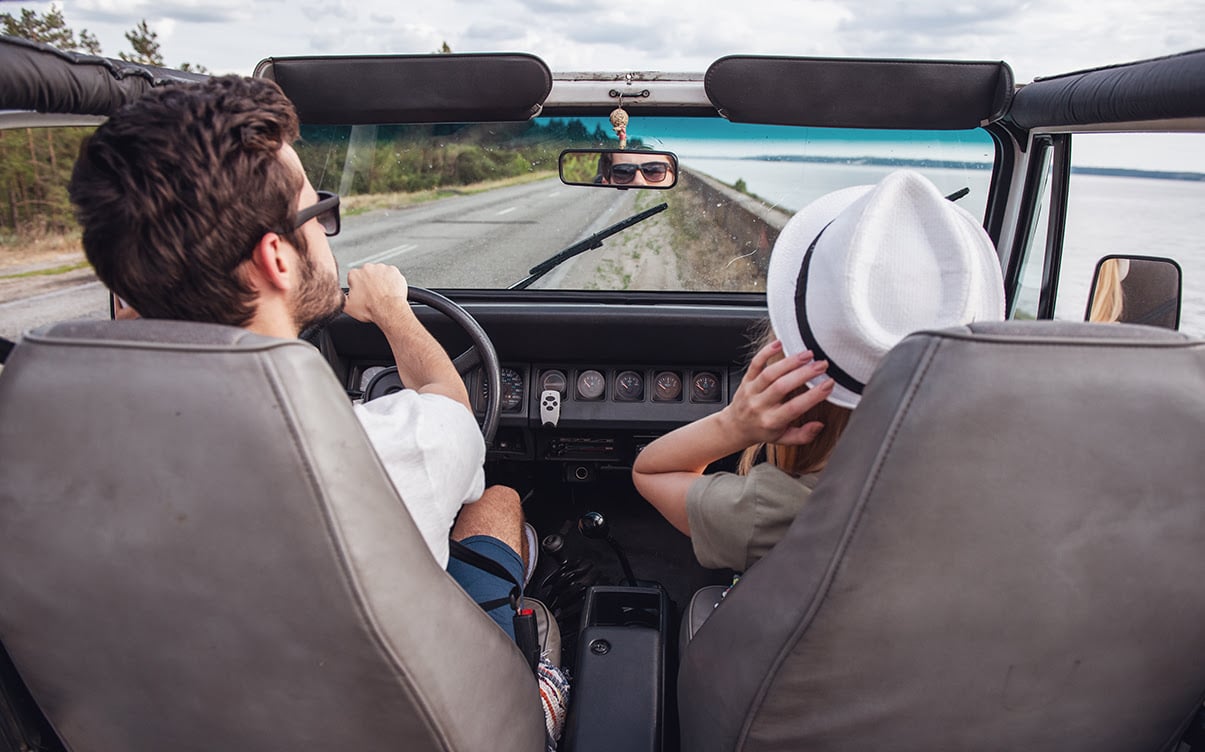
524 620
463 553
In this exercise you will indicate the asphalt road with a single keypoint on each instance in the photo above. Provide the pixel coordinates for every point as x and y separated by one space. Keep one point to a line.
89 300
487 240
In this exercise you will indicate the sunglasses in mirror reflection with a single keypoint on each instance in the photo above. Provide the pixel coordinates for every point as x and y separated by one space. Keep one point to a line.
619 168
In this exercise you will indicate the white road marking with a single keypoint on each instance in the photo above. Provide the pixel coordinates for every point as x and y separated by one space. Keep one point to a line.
403 248
507 211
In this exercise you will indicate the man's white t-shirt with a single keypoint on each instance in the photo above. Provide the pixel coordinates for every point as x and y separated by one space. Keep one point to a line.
432 448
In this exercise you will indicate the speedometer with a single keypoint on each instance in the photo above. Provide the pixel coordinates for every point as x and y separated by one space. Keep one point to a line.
512 390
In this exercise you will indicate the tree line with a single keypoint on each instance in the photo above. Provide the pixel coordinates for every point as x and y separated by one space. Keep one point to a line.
409 158
35 163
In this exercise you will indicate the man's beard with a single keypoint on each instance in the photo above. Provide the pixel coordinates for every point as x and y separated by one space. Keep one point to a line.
319 299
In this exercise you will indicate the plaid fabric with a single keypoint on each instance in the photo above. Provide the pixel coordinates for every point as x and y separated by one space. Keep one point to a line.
554 696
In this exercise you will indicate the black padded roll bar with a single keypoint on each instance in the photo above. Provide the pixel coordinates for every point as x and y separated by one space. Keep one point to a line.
38 77
377 89
1159 89
848 93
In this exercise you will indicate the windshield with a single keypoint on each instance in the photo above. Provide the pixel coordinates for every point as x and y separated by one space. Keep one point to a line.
480 205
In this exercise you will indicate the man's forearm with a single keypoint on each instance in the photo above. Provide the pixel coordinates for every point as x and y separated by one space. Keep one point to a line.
422 363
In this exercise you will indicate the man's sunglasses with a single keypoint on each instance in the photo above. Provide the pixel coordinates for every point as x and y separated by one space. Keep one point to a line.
326 210
625 172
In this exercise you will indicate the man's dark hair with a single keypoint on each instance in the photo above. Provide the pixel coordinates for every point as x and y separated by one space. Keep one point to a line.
176 188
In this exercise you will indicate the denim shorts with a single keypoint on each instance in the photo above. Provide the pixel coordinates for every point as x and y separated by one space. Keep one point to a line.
483 586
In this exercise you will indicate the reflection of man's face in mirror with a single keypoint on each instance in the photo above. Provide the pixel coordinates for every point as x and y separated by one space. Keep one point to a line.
640 170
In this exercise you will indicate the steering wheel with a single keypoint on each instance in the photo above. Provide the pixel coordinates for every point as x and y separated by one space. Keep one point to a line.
481 353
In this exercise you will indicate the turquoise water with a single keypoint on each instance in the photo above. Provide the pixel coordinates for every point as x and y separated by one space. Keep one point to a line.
1106 215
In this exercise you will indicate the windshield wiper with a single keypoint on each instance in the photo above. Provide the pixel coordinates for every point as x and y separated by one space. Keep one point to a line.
590 243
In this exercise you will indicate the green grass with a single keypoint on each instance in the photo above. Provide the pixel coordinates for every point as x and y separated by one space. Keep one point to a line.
350 206
49 272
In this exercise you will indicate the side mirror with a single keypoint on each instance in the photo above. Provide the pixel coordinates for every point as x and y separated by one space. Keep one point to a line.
1136 290
619 168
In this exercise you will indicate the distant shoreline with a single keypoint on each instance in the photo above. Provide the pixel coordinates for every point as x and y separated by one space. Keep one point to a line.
1119 172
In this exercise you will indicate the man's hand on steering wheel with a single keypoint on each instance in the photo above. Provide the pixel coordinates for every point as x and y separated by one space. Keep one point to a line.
376 292
379 294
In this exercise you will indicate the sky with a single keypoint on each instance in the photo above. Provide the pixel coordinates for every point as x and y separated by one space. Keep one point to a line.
1035 38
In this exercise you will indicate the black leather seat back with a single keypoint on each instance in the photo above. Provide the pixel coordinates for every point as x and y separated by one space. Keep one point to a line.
1005 552
200 550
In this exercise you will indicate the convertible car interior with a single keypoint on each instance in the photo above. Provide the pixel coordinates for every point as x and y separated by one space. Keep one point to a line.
1003 553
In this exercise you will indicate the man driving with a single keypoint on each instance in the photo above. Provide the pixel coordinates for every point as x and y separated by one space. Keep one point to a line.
194 206
636 169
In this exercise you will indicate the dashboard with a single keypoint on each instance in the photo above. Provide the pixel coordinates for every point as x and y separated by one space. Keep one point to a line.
618 375
603 413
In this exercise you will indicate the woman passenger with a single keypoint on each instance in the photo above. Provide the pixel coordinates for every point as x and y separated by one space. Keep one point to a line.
850 275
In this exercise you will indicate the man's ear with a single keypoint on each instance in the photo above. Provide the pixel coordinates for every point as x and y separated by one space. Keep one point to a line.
272 264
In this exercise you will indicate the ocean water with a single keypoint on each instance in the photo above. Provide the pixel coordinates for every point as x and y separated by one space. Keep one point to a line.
1106 215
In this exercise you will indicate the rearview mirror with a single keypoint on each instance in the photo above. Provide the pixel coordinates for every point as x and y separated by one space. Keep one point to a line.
619 168
1136 290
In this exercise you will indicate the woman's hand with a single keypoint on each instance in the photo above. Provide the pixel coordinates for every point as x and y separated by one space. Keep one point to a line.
766 405
764 409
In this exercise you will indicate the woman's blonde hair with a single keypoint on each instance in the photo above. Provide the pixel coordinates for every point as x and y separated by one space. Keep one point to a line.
796 459
1108 299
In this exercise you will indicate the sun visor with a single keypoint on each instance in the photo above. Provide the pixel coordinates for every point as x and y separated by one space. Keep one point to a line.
378 89
846 93
1160 89
40 78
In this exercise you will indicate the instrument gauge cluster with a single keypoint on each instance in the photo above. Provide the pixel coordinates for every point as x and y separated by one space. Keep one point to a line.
586 394
620 384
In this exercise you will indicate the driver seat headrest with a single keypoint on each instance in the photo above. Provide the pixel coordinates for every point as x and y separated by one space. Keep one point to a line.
200 549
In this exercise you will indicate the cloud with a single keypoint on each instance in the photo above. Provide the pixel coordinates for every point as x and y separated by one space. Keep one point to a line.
492 35
333 11
187 11
541 7
1036 37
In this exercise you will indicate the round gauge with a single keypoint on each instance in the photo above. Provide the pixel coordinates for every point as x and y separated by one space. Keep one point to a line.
667 387
384 381
512 390
629 387
368 375
591 384
705 387
554 380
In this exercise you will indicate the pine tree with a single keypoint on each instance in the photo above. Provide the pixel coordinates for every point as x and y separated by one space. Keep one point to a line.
50 29
145 44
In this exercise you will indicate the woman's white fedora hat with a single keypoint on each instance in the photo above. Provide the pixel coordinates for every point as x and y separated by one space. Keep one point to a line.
857 270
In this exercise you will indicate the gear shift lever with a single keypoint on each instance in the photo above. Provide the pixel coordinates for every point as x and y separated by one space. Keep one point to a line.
594 526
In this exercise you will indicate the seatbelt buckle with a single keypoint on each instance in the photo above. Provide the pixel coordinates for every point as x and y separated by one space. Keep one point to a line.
527 636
